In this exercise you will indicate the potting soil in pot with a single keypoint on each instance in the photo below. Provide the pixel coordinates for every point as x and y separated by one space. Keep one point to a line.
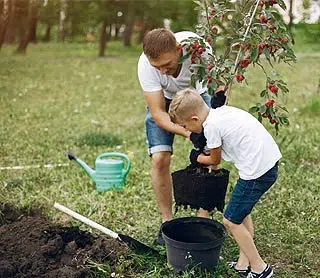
199 188
30 246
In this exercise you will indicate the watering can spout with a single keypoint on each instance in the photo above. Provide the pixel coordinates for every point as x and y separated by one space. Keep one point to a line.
89 171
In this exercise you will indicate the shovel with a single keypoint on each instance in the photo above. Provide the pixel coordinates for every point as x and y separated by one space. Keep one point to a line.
131 242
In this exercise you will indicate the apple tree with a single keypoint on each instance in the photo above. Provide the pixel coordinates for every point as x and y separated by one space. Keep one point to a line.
253 34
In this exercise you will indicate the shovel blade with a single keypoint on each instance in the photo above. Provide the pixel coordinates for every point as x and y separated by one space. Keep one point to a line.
137 245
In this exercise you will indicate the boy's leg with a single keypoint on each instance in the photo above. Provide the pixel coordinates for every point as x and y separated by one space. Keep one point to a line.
243 261
244 196
245 241
162 183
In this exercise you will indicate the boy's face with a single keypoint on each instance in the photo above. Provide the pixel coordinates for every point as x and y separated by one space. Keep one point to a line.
193 125
168 63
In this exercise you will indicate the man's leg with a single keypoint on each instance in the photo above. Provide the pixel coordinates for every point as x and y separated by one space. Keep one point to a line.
162 183
245 241
203 213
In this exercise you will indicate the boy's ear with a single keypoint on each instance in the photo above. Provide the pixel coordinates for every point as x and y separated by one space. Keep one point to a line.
195 118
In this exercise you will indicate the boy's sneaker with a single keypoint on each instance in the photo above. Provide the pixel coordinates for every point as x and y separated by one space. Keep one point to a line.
267 273
159 240
241 272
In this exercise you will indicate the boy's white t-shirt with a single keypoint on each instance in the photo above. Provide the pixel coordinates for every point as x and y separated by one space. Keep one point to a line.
243 140
151 80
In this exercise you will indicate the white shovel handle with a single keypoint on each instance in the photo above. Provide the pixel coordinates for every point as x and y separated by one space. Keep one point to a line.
85 220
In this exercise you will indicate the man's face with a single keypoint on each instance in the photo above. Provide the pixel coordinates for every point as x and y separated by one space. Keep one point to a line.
167 63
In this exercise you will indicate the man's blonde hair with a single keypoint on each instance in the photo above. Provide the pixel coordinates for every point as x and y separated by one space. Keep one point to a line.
186 104
157 42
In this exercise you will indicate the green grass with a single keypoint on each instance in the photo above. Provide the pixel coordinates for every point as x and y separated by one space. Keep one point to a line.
60 96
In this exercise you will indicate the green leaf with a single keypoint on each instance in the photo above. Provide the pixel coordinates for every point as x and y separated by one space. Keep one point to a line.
283 88
253 109
276 15
254 54
284 108
198 66
263 109
282 4
266 52
263 93
184 57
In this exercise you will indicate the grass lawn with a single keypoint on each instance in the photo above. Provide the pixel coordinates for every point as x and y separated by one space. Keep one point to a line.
60 96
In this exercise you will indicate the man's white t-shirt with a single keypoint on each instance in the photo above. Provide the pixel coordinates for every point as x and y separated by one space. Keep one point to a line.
151 80
243 140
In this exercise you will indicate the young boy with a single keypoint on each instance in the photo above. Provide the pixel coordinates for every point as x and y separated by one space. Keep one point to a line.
236 136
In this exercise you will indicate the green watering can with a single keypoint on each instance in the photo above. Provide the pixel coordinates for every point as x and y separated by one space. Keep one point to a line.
109 173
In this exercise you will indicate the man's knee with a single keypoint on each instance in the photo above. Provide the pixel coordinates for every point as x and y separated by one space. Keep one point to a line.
161 161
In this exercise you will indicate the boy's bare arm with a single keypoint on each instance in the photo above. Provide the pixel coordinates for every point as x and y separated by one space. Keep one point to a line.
213 159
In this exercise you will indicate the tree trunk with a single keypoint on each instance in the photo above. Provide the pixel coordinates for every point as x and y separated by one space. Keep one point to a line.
33 23
290 15
103 38
127 34
11 30
129 24
47 36
4 20
23 16
63 10
27 25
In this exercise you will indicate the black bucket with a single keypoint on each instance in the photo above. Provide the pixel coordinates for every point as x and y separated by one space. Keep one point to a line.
193 242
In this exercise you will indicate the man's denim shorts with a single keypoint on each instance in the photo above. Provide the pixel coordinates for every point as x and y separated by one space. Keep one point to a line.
158 139
247 193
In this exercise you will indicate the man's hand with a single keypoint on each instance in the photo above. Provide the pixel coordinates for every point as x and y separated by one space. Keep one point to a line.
198 140
194 156
218 99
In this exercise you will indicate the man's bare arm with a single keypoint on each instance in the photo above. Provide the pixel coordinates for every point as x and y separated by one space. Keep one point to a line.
157 106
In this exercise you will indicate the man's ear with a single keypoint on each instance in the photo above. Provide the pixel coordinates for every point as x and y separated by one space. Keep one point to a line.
179 48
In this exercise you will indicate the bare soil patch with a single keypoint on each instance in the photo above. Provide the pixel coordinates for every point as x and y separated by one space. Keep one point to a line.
31 246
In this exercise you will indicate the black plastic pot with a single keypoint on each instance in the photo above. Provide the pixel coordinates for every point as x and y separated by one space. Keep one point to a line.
193 241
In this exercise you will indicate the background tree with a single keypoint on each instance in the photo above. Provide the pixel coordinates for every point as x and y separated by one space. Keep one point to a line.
48 15
5 8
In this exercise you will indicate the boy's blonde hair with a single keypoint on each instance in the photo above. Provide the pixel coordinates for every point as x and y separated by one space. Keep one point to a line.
157 42
185 104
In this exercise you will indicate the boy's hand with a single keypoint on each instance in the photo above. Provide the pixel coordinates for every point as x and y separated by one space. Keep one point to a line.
198 140
218 99
194 156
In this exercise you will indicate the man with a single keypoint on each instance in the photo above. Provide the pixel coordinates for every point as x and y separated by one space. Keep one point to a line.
161 75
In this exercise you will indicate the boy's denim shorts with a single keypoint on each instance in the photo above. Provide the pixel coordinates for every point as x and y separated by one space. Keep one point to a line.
158 139
247 193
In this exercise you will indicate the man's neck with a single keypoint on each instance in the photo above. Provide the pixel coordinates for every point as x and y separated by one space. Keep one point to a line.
176 74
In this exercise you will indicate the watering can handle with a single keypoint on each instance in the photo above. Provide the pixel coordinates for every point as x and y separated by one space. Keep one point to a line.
126 171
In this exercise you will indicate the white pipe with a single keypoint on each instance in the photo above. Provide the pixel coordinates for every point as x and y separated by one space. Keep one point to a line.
85 220
21 167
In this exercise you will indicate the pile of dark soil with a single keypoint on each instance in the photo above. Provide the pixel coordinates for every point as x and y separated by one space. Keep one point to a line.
196 187
30 246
